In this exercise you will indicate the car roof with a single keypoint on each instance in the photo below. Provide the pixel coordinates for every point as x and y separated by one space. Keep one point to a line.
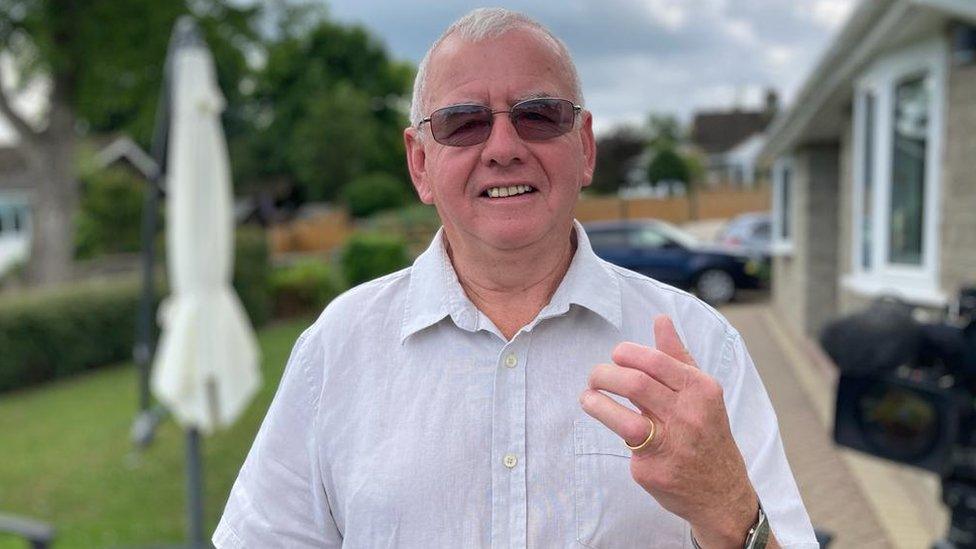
621 224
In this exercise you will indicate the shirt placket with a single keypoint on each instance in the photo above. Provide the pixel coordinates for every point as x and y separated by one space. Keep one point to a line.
509 505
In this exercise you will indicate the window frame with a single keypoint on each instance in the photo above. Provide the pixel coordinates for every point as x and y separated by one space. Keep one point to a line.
916 283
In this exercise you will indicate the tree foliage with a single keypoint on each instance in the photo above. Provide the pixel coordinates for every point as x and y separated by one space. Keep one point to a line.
334 97
373 193
668 165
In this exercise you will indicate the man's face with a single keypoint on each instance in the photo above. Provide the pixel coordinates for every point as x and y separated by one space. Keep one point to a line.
498 73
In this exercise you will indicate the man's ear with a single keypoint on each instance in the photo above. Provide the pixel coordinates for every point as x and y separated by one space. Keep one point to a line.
589 148
417 164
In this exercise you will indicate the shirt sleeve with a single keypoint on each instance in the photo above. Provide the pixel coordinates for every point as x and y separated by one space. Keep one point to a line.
279 499
756 432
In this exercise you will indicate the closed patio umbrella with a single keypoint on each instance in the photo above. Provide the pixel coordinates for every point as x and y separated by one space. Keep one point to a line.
206 367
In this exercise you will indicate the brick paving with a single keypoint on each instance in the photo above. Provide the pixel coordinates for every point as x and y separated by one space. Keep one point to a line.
830 490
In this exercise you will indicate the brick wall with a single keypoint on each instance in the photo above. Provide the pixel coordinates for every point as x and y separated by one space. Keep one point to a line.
957 254
805 282
790 270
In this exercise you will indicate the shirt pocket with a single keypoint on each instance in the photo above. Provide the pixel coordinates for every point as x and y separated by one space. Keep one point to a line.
612 510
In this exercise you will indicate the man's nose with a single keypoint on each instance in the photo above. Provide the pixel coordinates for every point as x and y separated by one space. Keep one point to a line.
504 146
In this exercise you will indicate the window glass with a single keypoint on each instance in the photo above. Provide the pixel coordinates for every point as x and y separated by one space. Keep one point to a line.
910 125
867 184
786 176
647 237
18 219
762 231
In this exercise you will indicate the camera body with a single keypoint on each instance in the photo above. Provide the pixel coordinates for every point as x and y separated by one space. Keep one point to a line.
907 393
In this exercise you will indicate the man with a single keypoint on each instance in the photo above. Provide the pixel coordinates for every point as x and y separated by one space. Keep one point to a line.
451 404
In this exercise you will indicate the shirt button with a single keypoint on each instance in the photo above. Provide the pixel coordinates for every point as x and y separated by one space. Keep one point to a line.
510 460
511 361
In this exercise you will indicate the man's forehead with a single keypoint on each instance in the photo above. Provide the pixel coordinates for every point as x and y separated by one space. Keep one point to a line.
457 60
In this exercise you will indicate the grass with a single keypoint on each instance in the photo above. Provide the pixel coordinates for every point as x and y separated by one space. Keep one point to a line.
66 457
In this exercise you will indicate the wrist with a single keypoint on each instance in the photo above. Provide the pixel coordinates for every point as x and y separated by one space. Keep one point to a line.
731 530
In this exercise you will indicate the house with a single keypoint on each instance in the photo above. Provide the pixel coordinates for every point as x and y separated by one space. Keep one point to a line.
874 166
731 140
16 192
15 221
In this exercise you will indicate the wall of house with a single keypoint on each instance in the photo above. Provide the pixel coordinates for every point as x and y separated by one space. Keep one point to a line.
789 269
805 282
957 255
847 301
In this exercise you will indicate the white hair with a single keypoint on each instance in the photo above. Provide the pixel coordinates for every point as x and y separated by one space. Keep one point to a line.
482 24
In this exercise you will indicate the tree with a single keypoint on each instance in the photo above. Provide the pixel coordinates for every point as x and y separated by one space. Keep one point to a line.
664 132
668 165
102 61
329 103
617 155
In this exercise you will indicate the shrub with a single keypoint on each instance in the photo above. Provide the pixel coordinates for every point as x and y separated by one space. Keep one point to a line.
303 287
110 213
372 193
252 270
370 255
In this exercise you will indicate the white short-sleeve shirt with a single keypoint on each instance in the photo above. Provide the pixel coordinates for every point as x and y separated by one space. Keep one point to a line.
405 419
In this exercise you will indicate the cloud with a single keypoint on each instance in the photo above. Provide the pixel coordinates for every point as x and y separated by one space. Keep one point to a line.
642 56
829 14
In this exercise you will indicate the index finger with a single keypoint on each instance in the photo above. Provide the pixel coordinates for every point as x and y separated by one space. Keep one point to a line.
657 364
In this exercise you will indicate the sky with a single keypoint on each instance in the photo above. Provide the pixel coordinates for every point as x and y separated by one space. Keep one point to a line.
636 57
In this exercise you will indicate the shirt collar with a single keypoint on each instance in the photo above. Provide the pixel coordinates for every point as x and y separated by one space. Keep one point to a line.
435 292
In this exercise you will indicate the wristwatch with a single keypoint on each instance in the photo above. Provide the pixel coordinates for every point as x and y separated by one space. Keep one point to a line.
758 535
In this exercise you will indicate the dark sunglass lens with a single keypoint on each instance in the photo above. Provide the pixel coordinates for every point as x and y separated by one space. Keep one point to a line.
461 125
539 119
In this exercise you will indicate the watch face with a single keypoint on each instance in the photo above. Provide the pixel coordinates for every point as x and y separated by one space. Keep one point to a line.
759 535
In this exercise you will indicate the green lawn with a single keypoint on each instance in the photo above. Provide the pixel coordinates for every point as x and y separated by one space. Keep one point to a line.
66 457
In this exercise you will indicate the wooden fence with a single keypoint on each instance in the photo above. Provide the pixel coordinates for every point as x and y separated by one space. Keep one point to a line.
710 204
327 231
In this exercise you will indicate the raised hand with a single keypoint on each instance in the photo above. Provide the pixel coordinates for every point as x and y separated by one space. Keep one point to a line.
691 465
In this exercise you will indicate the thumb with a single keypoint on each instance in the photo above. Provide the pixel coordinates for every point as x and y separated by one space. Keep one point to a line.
666 340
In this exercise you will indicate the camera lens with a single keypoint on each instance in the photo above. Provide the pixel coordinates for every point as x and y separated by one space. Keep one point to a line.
899 423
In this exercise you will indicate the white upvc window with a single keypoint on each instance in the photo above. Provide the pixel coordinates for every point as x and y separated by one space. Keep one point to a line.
784 191
898 129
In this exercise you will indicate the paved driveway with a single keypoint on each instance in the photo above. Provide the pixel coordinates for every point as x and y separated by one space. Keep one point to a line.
863 501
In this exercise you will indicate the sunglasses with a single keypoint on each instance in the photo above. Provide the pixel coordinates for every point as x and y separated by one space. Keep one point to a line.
534 120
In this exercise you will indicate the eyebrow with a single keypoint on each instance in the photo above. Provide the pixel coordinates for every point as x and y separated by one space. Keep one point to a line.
517 99
535 95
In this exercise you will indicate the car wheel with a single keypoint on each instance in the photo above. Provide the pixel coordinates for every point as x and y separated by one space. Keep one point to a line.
715 286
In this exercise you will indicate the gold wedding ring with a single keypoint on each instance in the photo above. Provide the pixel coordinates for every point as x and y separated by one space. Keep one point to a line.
650 436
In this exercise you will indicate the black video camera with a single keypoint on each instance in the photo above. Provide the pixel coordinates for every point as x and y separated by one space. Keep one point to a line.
907 393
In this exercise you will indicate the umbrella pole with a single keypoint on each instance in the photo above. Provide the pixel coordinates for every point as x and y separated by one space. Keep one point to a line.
194 490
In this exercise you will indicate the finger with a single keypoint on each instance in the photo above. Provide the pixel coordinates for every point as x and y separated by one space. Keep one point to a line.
648 394
666 339
655 363
626 423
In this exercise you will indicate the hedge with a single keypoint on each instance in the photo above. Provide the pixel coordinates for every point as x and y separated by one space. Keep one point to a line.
303 287
370 255
48 333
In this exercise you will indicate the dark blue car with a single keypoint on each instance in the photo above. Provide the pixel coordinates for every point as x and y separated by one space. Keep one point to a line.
668 254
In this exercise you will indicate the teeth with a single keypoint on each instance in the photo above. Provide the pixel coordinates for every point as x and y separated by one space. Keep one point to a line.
496 192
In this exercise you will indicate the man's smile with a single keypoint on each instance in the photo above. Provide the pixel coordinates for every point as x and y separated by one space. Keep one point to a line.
506 191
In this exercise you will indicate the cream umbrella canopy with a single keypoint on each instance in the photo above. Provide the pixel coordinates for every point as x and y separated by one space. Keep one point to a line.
206 368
